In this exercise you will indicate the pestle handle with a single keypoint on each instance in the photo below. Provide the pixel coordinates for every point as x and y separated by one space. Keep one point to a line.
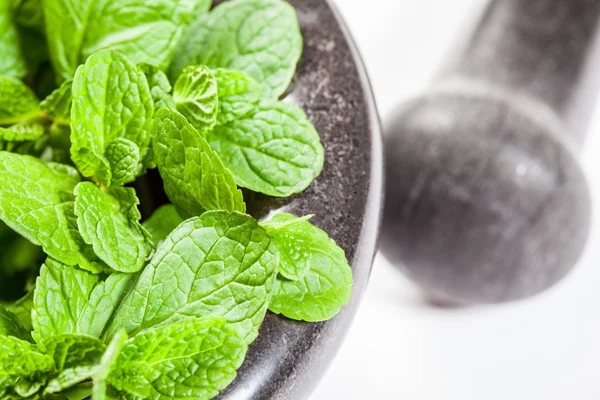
486 201
541 50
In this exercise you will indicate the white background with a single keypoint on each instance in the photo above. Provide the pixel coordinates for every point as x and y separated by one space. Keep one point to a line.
545 348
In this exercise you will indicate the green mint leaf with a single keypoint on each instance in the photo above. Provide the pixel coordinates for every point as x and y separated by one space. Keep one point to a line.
323 278
58 103
68 300
117 239
194 177
111 100
290 233
17 102
219 264
26 388
107 364
238 94
162 222
274 150
143 31
259 37
29 14
10 325
195 96
70 351
22 131
283 221
76 358
12 62
160 87
69 378
22 309
36 201
194 358
123 157
20 358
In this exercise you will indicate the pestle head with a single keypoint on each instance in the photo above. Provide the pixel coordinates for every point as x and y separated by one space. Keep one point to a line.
485 199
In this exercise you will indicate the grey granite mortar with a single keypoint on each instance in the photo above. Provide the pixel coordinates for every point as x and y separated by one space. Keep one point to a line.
289 358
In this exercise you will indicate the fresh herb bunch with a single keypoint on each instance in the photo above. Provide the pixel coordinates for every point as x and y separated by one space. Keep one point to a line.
163 309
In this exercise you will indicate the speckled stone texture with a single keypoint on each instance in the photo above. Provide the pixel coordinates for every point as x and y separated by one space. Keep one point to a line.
486 200
289 358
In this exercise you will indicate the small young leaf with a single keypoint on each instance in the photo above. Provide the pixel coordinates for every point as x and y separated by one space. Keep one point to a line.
290 234
76 359
111 100
12 62
58 103
275 150
26 389
324 278
17 101
194 177
23 359
70 351
22 131
219 264
194 358
120 241
162 222
107 363
29 14
36 200
10 325
238 94
68 378
195 96
68 300
259 37
160 87
123 158
22 309
145 31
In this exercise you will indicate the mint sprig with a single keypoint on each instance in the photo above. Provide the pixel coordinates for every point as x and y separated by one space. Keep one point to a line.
117 306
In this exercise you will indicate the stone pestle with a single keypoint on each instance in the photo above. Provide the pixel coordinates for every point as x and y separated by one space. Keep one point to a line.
485 200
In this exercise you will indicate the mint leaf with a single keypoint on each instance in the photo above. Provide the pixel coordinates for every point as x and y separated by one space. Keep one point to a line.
143 31
23 131
238 94
160 87
76 359
162 222
36 200
323 278
20 358
111 100
195 96
218 264
10 325
29 14
22 309
68 300
69 378
17 101
194 358
259 37
107 364
12 62
290 233
119 240
123 157
58 103
194 177
274 150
